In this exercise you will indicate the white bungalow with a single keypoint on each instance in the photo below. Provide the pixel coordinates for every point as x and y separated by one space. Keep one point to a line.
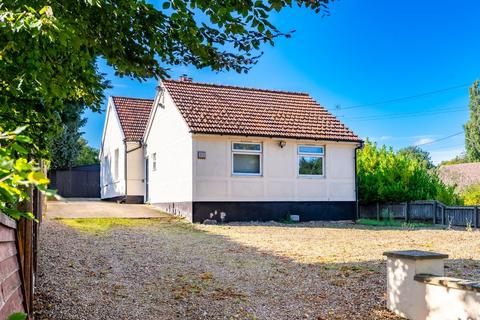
233 153
208 151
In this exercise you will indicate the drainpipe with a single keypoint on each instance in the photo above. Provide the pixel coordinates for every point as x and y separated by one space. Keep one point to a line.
358 147
125 170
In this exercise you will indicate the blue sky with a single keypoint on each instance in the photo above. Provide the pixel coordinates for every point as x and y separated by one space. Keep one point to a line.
363 54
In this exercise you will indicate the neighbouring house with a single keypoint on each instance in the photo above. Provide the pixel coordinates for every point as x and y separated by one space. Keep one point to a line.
462 175
121 153
233 153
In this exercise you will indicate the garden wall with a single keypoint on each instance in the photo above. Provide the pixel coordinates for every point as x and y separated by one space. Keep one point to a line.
430 211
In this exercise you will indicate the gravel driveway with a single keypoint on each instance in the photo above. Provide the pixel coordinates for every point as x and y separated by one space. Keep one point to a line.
92 208
168 269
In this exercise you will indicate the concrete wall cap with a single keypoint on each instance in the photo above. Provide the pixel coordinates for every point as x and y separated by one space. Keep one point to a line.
415 255
448 282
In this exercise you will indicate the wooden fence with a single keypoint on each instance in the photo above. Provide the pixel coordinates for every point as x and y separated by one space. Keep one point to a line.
77 182
11 289
428 211
18 258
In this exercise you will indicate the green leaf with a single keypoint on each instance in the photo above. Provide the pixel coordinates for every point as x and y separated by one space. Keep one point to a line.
18 316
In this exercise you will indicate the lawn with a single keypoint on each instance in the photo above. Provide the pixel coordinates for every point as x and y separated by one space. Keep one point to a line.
169 269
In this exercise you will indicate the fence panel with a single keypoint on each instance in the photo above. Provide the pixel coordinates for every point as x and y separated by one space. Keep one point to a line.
12 294
460 216
431 211
422 211
395 210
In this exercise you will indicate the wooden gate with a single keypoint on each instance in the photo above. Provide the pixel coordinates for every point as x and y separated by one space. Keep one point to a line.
77 182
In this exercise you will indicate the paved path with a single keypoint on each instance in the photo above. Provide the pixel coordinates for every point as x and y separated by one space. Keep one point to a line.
85 208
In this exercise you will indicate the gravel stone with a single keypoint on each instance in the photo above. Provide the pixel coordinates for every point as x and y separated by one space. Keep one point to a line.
169 269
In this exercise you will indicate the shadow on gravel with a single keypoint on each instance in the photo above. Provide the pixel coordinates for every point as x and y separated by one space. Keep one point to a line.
170 269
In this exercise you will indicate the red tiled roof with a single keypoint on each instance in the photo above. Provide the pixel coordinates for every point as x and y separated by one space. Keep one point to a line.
133 114
220 109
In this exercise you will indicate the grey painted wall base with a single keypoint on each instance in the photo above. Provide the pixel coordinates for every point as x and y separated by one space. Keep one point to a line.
261 210
183 209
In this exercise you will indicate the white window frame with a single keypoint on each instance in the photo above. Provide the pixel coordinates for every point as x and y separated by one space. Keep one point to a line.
154 161
251 152
310 154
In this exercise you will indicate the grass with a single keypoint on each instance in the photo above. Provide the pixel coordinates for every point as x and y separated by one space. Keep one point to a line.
392 223
103 225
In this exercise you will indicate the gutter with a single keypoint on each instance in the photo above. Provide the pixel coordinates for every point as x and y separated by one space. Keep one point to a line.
357 213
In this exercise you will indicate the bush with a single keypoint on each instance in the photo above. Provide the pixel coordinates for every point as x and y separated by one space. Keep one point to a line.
471 195
387 176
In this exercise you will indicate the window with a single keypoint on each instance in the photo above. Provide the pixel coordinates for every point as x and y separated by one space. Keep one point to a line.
105 170
246 158
310 160
116 160
154 162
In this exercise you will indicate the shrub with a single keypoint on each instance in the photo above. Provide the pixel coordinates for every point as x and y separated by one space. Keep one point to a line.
387 176
471 195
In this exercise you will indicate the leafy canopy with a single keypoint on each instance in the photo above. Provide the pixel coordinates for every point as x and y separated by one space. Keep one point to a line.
17 174
49 53
472 127
417 153
387 176
86 154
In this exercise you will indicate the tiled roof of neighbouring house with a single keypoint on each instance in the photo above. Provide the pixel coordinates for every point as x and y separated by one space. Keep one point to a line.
220 109
133 114
461 175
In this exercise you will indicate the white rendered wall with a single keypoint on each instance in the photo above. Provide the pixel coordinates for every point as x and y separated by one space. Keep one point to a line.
135 169
170 139
111 186
213 179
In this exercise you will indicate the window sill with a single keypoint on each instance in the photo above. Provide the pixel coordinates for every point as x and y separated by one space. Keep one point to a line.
247 175
310 177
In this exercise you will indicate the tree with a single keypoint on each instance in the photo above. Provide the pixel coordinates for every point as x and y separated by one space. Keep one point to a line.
415 152
86 154
49 53
64 147
472 127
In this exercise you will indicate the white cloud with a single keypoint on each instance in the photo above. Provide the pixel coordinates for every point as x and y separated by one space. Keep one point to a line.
119 85
422 141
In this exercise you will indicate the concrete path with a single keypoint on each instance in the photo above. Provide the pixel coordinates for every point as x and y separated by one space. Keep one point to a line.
88 208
